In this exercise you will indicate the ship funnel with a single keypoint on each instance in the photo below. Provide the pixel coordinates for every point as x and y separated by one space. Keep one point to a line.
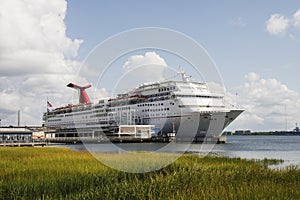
83 96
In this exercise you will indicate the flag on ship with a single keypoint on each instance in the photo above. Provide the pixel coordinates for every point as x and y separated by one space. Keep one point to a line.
49 104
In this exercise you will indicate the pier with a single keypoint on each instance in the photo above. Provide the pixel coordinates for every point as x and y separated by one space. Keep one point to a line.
23 144
21 136
35 136
118 134
125 134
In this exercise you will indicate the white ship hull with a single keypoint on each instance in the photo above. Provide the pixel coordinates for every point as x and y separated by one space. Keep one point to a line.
195 124
186 108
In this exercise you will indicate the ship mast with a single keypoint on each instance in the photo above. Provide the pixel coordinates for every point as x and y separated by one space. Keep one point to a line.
184 76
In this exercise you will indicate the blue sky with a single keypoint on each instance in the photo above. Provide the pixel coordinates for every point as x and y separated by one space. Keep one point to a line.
255 45
234 33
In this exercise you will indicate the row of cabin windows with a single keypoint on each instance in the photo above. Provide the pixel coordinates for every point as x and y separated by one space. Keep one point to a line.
192 87
151 104
83 113
155 110
158 94
166 89
201 96
150 115
99 115
54 120
114 109
152 119
100 106
123 108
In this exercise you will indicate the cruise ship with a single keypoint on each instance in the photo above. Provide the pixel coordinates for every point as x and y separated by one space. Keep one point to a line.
184 107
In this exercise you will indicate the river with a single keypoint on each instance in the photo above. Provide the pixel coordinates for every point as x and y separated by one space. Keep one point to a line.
286 148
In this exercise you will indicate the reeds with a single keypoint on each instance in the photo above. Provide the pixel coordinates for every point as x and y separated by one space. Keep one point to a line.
56 173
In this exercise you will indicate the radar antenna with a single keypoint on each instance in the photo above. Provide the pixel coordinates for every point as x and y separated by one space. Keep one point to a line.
184 76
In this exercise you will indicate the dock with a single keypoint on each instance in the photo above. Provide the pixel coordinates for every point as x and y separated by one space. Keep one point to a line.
21 136
119 134
23 144
35 136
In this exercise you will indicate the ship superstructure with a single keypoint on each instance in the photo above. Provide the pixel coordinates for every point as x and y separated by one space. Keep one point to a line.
185 107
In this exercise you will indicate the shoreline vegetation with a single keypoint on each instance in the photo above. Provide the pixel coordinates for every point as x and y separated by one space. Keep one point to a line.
60 173
272 133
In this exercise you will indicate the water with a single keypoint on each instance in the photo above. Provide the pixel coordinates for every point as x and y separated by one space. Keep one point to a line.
286 148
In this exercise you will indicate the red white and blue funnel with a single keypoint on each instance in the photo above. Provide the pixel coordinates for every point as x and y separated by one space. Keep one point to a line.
83 96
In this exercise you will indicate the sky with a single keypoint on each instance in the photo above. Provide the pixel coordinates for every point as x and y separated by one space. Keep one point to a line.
254 44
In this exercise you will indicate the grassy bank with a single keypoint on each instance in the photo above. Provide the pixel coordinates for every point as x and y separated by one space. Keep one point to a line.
53 173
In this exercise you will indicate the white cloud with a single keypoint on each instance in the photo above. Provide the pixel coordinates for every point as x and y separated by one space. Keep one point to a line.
252 77
33 37
277 24
267 102
150 58
142 68
297 19
215 87
35 59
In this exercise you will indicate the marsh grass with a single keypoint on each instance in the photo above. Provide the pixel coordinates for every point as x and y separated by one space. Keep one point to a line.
136 162
55 173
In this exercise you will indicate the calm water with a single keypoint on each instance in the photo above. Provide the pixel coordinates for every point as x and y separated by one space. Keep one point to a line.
250 147
260 147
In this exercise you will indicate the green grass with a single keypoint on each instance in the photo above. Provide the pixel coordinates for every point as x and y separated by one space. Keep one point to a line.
56 173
